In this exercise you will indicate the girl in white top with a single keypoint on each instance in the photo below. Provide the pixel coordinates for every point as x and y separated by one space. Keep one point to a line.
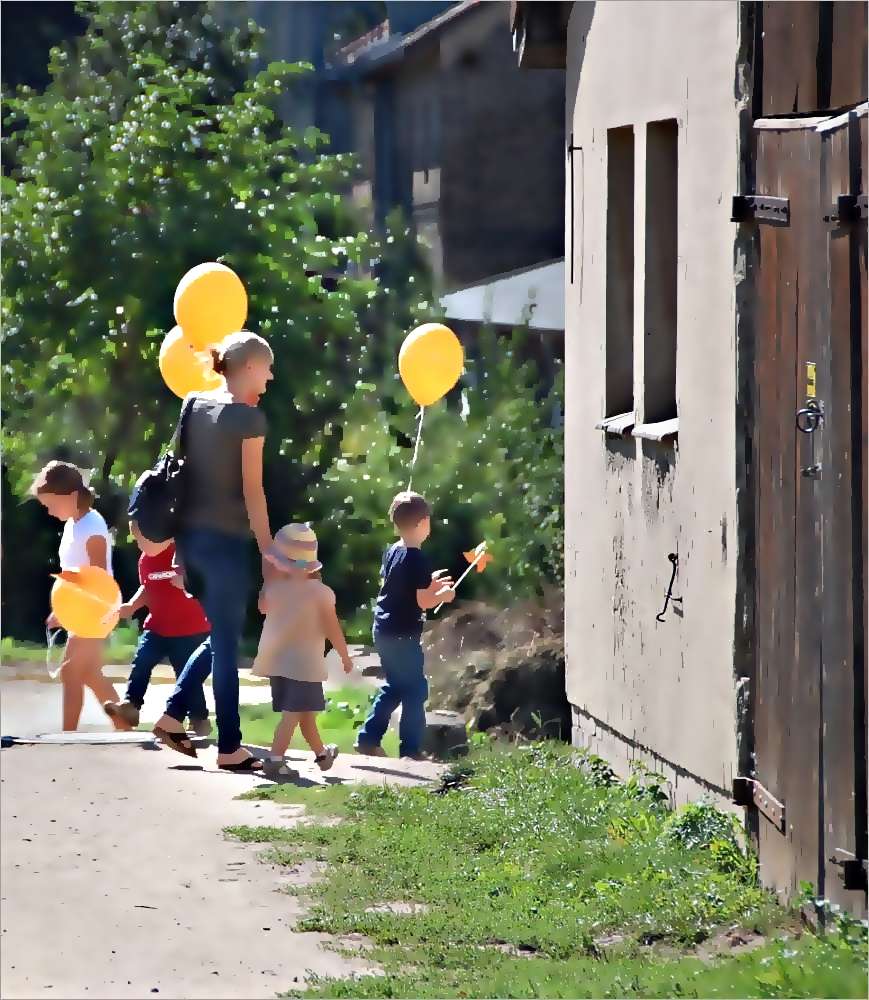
59 487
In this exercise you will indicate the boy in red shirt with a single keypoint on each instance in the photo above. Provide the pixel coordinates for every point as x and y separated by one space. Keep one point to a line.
175 627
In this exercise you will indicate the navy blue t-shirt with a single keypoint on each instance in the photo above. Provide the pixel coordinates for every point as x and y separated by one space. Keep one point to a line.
404 572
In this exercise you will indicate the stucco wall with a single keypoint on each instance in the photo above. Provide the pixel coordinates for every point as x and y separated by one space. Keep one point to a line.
637 684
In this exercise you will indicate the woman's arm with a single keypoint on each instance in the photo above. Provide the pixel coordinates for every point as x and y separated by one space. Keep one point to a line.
254 494
98 551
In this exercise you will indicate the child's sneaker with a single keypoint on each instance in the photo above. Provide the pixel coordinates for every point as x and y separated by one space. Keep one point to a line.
369 751
124 712
200 727
327 758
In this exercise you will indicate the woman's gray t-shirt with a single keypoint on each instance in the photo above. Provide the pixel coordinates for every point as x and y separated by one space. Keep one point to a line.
213 433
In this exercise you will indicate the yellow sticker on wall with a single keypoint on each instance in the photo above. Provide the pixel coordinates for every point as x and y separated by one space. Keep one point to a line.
811 380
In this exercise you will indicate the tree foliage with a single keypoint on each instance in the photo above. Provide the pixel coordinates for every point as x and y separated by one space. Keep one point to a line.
153 149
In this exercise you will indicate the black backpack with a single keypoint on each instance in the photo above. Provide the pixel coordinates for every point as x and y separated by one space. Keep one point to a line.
156 500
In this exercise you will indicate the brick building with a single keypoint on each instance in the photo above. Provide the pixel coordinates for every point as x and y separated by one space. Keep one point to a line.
451 131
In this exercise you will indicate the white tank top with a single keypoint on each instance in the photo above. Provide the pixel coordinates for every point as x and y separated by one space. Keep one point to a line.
73 552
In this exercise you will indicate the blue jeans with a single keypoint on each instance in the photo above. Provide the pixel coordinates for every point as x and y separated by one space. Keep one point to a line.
217 566
402 661
177 649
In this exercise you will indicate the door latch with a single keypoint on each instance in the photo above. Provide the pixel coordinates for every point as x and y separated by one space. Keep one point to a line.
809 419
811 416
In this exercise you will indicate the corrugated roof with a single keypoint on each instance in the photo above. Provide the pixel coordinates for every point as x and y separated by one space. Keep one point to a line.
436 23
379 49
531 295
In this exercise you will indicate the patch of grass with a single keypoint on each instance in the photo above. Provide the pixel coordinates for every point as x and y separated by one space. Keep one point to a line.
346 709
542 851
318 800
119 649
807 967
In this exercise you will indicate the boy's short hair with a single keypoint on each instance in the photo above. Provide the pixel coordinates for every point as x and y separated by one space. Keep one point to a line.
408 509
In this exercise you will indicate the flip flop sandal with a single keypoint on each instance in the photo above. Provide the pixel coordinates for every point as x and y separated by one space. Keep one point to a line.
250 765
175 741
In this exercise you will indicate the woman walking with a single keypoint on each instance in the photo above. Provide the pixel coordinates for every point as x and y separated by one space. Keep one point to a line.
224 504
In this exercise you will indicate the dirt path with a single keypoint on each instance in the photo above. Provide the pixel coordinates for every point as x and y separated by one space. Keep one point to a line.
117 882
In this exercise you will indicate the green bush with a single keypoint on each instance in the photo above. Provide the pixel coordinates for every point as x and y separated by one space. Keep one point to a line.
699 824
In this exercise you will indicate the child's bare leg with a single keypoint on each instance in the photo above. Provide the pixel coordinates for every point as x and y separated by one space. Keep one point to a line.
104 691
73 692
284 733
79 659
92 676
308 725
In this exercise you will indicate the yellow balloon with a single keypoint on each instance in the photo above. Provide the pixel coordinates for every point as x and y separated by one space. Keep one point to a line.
430 362
184 369
86 601
210 303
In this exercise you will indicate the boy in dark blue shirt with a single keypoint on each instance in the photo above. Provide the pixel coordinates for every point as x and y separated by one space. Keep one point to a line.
408 589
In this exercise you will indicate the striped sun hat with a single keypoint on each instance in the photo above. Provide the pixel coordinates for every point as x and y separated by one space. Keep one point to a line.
295 545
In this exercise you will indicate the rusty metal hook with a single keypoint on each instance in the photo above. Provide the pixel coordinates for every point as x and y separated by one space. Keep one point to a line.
674 559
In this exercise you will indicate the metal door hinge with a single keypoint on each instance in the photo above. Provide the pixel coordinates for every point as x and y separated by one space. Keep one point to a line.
760 208
848 208
748 792
852 869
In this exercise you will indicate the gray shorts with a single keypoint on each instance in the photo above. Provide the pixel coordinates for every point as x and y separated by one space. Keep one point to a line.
297 696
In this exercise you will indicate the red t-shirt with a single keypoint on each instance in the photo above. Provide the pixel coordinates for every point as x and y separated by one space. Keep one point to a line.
172 612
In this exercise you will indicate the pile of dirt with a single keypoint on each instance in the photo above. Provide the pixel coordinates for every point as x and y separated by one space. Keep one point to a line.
502 669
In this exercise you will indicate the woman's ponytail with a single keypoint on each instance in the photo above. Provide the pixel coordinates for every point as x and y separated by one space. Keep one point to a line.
218 362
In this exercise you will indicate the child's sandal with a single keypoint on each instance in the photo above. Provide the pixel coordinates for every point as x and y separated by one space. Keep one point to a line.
327 758
278 771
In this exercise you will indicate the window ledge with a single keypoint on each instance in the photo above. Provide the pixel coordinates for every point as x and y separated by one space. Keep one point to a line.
618 426
663 430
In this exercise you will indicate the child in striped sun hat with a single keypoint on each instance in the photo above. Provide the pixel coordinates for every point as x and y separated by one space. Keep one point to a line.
300 617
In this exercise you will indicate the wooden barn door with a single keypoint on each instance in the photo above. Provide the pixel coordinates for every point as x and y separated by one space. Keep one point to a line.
809 785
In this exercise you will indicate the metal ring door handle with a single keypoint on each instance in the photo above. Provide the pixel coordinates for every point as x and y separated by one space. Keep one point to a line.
809 418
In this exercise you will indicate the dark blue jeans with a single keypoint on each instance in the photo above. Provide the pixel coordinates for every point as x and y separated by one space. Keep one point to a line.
402 661
177 649
217 567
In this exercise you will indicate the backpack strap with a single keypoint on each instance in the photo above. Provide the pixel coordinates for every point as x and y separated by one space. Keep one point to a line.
176 444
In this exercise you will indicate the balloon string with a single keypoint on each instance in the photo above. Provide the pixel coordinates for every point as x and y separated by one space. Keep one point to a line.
419 418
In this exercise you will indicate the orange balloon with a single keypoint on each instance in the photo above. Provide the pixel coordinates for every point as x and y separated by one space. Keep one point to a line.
86 601
184 369
430 362
210 303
